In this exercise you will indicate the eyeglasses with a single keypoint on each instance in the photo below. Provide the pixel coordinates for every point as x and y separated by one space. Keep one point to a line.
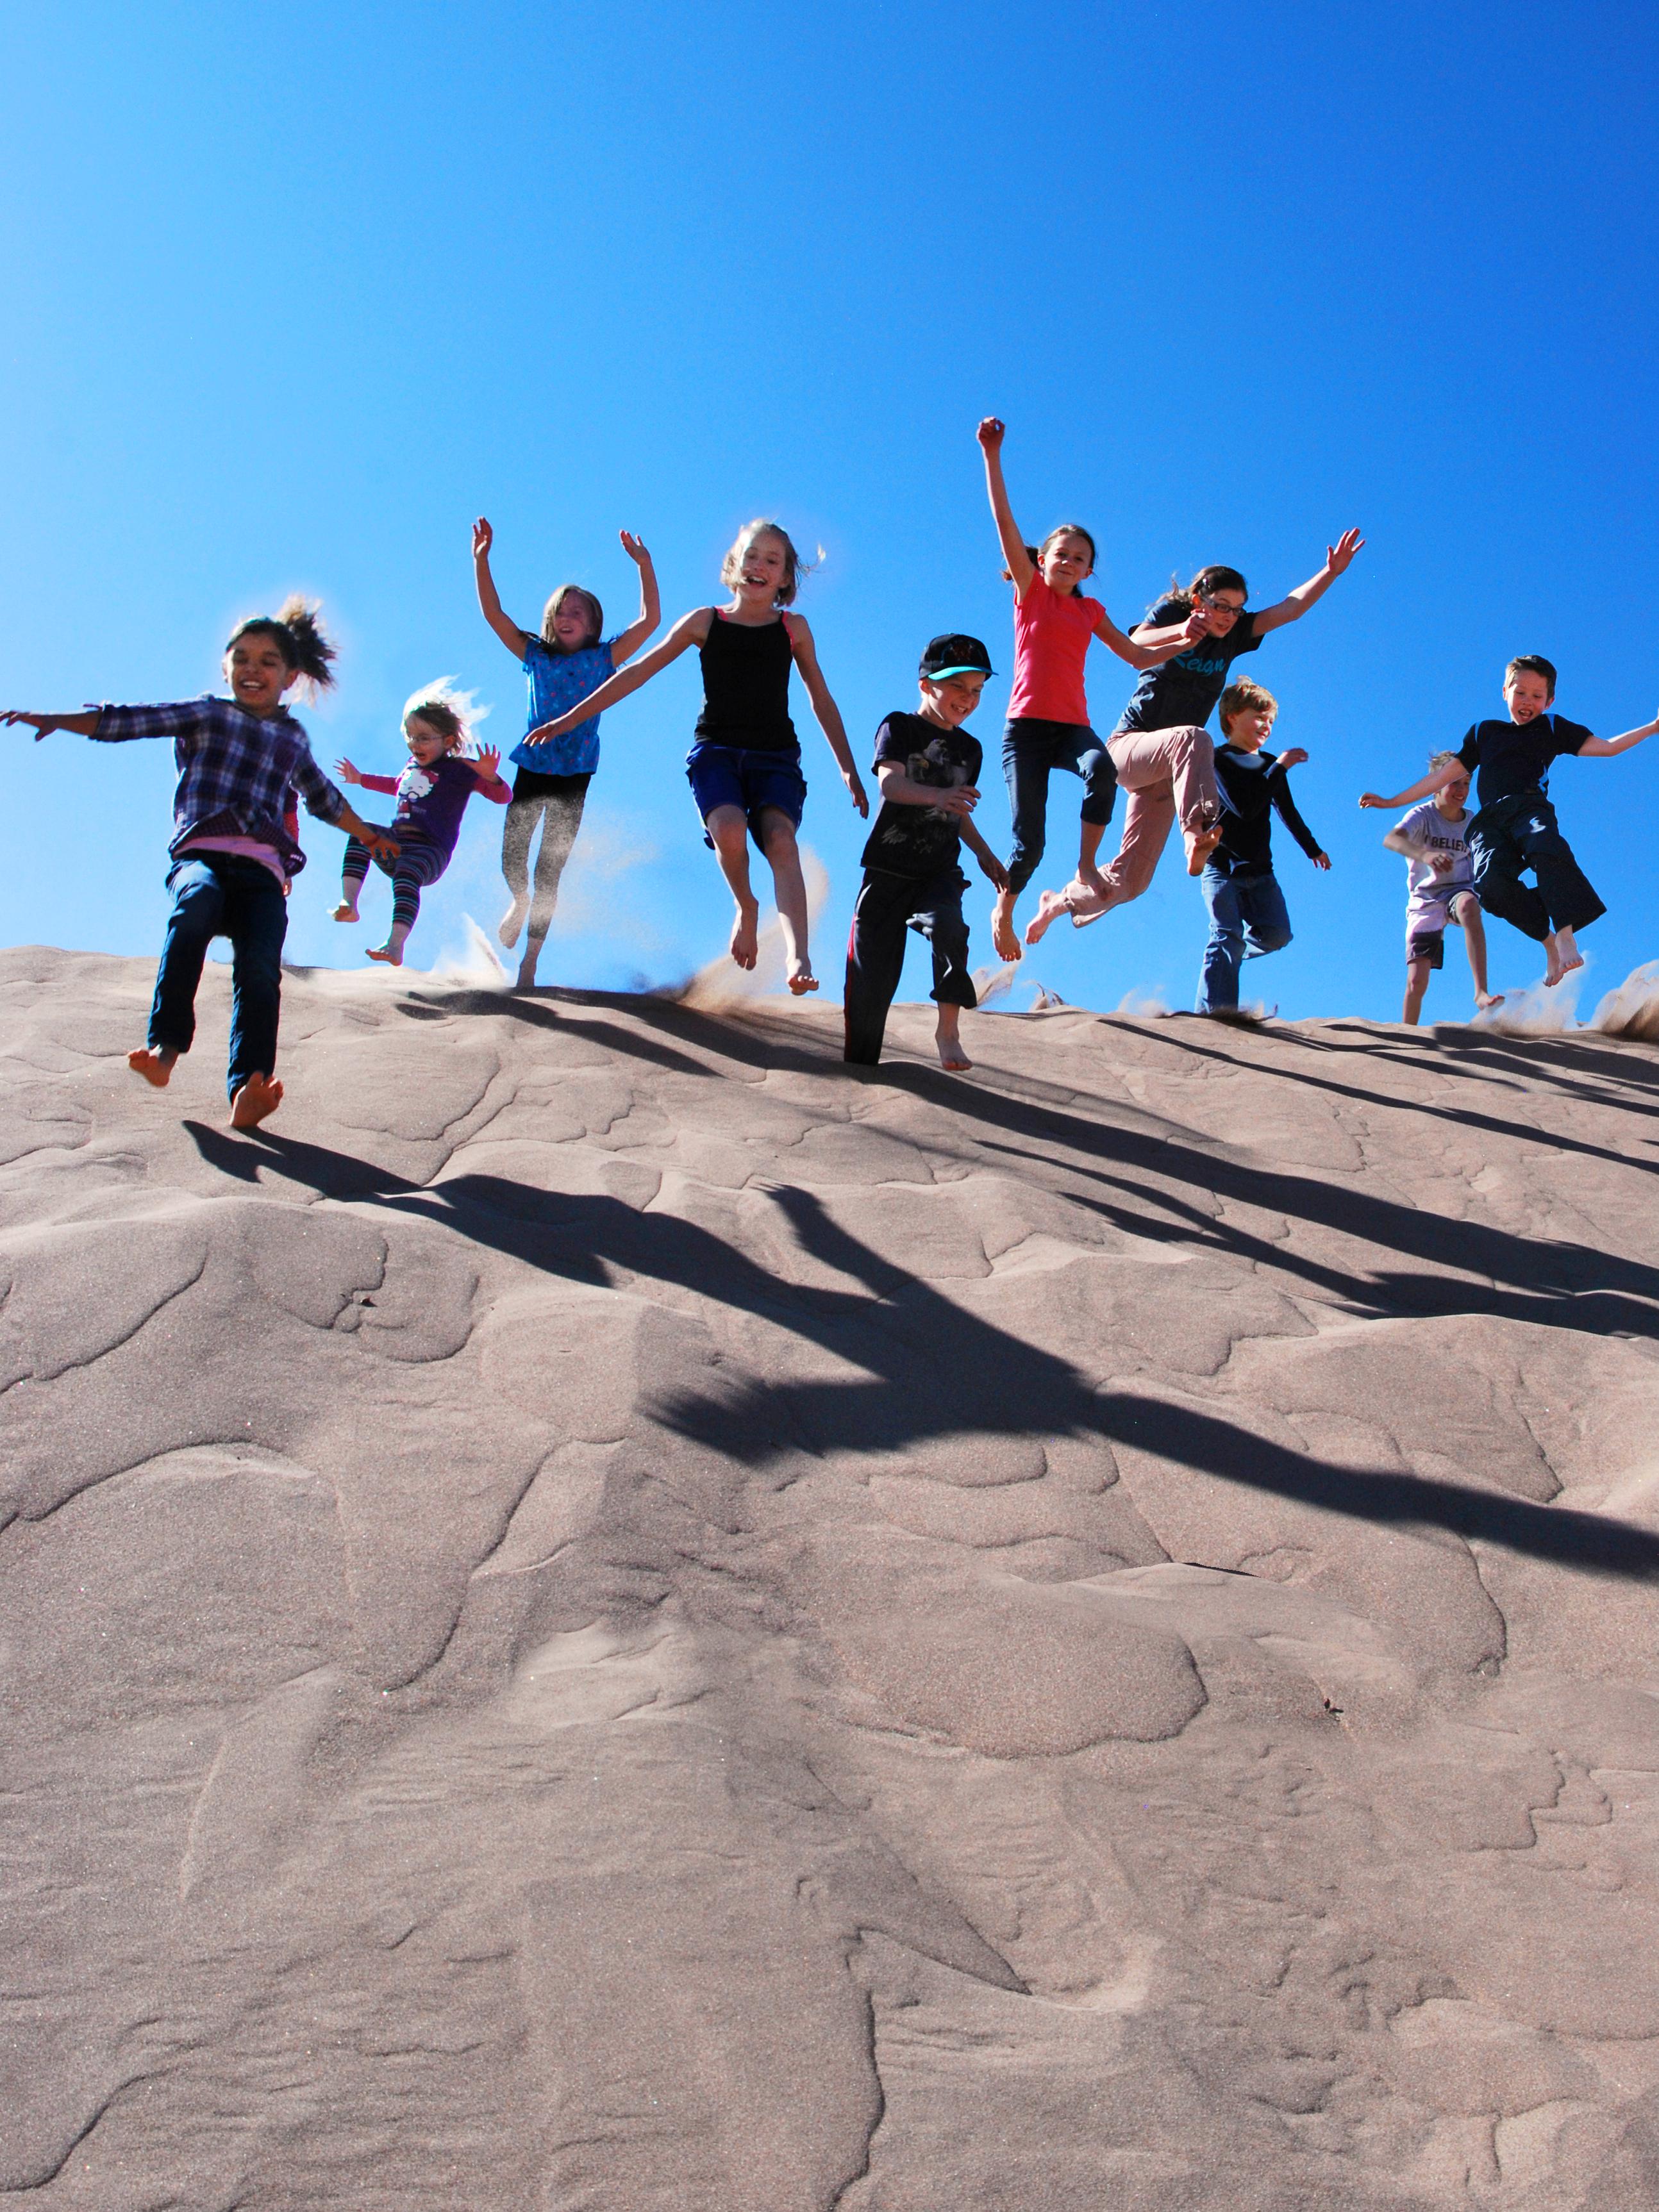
1217 606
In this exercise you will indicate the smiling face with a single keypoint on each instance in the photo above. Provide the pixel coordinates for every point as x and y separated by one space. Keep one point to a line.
1065 559
258 673
1452 798
1250 728
762 567
951 699
1220 609
1528 694
426 743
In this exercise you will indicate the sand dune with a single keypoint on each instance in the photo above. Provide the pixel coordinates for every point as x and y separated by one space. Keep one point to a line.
608 1616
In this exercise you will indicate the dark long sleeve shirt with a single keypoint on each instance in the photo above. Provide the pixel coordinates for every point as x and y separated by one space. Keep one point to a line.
1253 787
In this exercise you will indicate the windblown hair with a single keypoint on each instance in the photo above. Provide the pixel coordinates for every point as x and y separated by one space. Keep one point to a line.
454 714
299 637
1034 553
595 618
1244 697
1446 760
1218 577
1532 664
795 568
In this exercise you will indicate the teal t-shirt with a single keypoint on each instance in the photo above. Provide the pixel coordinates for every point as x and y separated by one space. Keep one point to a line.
557 682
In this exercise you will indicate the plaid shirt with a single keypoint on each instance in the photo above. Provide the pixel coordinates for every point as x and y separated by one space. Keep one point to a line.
236 770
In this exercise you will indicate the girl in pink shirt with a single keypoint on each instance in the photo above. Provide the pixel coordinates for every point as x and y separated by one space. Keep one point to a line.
1048 725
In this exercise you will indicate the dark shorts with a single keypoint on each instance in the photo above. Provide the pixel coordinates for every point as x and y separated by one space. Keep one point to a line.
743 775
1428 944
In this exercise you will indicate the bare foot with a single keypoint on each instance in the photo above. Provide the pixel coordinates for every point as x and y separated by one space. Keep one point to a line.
1050 907
801 978
153 1063
259 1096
745 935
346 912
512 920
1003 939
1200 843
1484 1000
951 1057
392 954
1561 956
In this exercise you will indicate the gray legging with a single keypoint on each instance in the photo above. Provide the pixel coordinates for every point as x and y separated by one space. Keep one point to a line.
555 802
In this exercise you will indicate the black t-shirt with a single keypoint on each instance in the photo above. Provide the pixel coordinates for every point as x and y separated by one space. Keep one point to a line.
1183 692
1252 786
1513 757
920 841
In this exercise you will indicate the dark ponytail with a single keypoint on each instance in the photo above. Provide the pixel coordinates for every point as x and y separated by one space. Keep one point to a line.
299 637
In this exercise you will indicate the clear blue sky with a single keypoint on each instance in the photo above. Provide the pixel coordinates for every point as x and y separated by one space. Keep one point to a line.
293 293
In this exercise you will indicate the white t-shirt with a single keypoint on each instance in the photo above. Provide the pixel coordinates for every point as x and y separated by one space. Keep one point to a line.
1427 826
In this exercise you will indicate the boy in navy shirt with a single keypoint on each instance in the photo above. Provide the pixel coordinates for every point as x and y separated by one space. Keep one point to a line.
1515 826
1248 913
928 768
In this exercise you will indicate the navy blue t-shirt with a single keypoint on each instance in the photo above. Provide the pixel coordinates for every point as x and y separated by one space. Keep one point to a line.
1182 692
1513 757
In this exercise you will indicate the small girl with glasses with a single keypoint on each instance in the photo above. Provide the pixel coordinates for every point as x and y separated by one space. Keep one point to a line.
1160 749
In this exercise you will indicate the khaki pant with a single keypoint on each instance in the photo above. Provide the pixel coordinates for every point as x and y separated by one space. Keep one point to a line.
1165 773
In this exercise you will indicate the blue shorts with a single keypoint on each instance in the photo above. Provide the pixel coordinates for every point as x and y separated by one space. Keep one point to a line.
743 775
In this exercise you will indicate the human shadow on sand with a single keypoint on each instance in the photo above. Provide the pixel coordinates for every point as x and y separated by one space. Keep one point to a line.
917 1367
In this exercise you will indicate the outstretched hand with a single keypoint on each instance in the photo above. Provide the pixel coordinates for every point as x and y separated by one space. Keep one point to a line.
483 539
634 547
348 771
487 764
991 433
41 724
1338 557
1294 759
1373 799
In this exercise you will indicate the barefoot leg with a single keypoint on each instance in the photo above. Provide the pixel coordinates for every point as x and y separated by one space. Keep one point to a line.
1050 907
1088 872
783 856
527 961
948 1033
1566 953
153 1062
1474 939
260 1096
1003 939
1554 966
729 827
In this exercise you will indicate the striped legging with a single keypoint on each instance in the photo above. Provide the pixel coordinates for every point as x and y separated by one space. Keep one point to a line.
417 864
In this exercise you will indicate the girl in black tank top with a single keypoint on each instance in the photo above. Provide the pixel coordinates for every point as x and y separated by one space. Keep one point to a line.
744 765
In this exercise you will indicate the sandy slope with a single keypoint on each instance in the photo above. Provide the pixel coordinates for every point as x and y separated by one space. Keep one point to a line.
613 1618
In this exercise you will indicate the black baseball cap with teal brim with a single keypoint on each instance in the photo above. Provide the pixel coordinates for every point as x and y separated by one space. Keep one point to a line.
953 654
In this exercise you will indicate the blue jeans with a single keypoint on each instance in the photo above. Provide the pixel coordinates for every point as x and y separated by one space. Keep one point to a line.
222 895
1031 749
1248 917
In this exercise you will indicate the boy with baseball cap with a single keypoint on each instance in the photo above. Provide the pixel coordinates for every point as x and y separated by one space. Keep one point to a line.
928 768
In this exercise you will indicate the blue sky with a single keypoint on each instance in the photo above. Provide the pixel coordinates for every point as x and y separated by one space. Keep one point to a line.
292 294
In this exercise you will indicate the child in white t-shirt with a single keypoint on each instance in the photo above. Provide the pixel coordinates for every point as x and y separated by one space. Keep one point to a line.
1434 838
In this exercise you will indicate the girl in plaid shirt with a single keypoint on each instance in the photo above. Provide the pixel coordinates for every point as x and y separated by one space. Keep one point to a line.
233 849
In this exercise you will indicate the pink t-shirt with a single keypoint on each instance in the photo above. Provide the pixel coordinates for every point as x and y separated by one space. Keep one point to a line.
1051 642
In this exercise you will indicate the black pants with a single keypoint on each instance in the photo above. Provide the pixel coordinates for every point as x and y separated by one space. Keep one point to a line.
555 802
1031 749
887 906
1520 832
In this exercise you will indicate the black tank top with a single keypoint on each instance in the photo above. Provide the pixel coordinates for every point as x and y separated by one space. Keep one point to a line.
745 686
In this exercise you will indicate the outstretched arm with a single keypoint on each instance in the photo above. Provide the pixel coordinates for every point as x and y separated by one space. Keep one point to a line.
1605 748
1149 649
1295 604
1279 791
1425 787
486 766
83 726
689 629
511 636
829 715
990 435
624 648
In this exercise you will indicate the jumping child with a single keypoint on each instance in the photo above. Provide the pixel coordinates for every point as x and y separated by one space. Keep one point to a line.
432 795
745 765
1047 726
562 665
1440 886
1515 826
233 851
1248 913
1160 748
928 768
